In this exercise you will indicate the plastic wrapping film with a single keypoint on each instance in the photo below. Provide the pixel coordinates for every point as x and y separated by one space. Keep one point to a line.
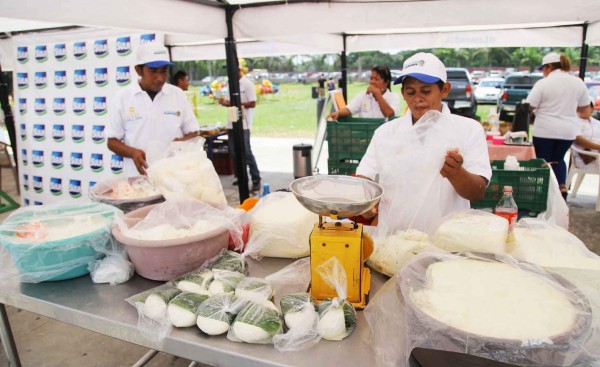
281 226
302 321
561 330
472 230
549 245
126 193
153 321
185 172
55 242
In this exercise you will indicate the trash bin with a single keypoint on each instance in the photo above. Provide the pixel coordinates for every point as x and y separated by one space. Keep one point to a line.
314 92
302 160
521 119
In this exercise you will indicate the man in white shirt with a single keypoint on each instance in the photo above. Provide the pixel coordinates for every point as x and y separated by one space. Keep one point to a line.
248 98
149 114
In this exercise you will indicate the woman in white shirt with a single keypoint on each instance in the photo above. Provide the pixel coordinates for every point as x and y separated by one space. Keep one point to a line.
377 102
555 100
588 137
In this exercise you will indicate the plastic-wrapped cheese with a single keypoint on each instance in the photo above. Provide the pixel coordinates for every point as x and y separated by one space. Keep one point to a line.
393 252
473 230
281 226
495 300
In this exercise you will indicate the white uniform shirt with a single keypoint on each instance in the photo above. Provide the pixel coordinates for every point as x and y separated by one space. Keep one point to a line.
415 194
365 105
247 94
149 125
556 98
589 130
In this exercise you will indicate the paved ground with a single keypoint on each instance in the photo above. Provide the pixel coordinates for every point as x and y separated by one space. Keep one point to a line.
44 342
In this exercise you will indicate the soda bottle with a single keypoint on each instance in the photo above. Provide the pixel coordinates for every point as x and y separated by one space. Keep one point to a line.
507 208
266 190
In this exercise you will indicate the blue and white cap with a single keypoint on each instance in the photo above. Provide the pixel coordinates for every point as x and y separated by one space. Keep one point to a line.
425 67
153 54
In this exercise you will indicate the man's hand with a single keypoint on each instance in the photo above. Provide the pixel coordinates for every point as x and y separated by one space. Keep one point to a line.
139 158
333 116
452 164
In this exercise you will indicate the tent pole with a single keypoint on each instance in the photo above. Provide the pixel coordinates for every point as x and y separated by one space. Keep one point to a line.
234 92
584 52
8 117
344 79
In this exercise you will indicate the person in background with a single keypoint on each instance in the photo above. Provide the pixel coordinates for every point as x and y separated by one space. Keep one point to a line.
321 90
149 114
248 99
330 84
588 136
465 170
555 101
378 101
181 79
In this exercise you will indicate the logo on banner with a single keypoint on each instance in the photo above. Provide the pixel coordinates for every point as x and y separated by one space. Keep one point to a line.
39 132
80 78
101 77
39 106
76 161
122 75
22 106
38 203
75 188
38 184
98 134
41 53
26 202
78 133
60 79
22 54
59 106
37 158
145 38
79 105
123 46
24 156
26 182
40 80
22 80
23 130
101 48
79 50
58 132
116 164
57 160
97 162
100 106
92 184
55 186
60 52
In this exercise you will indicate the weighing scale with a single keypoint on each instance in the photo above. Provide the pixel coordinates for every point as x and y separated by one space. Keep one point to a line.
336 199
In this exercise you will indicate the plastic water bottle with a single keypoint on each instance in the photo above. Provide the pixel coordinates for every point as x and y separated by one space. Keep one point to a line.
507 208
266 190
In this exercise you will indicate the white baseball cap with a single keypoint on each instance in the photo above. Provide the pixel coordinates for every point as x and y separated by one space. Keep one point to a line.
425 67
550 58
153 54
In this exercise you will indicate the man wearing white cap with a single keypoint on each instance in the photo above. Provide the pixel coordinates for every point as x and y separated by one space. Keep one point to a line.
430 163
149 114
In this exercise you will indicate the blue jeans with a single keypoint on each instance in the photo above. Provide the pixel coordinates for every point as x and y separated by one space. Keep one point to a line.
554 150
250 160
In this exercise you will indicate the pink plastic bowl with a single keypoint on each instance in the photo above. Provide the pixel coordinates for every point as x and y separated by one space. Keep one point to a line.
498 140
168 259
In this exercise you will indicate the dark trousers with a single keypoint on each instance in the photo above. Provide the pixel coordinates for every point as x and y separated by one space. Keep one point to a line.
554 150
250 160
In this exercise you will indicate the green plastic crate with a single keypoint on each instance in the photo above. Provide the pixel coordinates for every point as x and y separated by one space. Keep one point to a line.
347 140
530 185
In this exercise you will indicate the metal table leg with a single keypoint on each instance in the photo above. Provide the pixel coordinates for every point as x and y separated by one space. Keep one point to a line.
10 348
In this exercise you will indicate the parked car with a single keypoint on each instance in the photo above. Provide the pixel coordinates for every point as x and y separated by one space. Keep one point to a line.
594 90
477 75
461 100
516 88
495 74
488 90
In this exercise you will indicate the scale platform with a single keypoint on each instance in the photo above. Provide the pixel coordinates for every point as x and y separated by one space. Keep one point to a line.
336 198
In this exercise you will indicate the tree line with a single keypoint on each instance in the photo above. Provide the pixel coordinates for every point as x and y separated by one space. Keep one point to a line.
496 57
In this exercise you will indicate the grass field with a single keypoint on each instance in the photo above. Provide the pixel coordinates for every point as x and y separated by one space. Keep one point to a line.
290 113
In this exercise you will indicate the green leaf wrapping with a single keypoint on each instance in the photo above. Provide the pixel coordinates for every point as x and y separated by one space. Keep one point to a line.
295 302
231 261
189 301
263 317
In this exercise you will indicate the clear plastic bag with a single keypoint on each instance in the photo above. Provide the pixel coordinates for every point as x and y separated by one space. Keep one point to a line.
153 321
257 323
114 268
548 245
473 230
126 193
55 242
302 320
281 226
492 307
185 172
215 315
